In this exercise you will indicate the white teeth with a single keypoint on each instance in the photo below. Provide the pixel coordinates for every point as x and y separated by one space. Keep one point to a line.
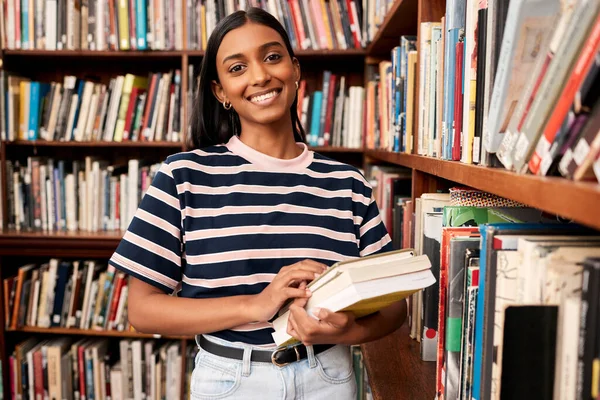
263 97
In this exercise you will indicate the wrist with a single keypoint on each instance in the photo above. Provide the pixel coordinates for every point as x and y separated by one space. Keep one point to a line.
252 309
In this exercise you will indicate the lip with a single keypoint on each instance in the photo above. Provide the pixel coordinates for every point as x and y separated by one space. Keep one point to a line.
278 90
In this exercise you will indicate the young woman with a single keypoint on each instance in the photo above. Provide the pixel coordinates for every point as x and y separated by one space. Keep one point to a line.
242 223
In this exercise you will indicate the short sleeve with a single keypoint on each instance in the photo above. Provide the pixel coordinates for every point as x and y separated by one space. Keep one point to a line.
374 237
151 249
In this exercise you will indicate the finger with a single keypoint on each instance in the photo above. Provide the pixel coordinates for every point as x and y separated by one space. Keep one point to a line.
339 319
296 275
310 265
301 301
293 293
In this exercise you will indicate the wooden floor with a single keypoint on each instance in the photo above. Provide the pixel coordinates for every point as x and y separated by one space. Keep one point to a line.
395 368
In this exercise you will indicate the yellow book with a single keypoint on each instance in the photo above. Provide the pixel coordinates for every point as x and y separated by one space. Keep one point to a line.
410 103
203 19
362 286
131 81
123 25
24 99
328 32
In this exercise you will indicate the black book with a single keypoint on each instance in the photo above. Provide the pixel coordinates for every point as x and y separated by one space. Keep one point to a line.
528 356
480 92
588 331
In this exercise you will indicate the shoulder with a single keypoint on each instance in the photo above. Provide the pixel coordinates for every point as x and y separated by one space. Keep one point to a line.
339 170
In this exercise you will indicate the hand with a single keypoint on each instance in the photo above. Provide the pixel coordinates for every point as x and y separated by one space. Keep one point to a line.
331 328
287 284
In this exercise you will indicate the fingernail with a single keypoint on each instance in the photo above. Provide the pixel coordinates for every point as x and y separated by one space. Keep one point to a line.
308 292
317 275
317 312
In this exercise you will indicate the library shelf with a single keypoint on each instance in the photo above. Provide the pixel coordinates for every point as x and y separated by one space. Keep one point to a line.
68 144
93 332
396 370
59 243
573 200
400 20
93 53
336 149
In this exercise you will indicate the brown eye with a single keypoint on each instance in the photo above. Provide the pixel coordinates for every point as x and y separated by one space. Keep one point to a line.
236 68
273 57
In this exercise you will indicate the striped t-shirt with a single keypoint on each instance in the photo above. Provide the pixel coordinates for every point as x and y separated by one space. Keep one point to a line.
223 220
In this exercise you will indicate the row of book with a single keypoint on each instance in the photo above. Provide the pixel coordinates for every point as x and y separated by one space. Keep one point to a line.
81 294
390 94
332 115
480 101
310 24
158 24
71 369
499 266
92 25
129 108
90 195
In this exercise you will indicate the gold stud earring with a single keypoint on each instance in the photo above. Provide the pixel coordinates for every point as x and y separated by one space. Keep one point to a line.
226 105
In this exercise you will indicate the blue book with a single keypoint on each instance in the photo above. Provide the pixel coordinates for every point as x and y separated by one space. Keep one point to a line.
25 45
484 321
61 286
38 92
397 95
80 85
34 110
315 121
89 377
140 25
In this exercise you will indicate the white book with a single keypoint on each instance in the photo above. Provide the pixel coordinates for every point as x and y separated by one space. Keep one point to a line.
71 217
83 202
93 108
11 41
87 288
528 27
36 297
113 109
51 25
56 100
116 382
100 24
138 370
84 110
118 324
71 317
132 189
50 200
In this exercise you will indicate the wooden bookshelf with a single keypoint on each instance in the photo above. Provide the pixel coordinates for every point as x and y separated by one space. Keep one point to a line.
92 332
59 243
98 144
400 20
575 200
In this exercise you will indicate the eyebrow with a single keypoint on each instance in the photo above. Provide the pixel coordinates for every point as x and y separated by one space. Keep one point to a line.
262 47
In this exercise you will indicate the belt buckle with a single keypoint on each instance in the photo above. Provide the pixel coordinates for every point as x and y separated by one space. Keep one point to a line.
276 351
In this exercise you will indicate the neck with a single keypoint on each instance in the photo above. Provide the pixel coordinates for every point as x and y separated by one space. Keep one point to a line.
275 140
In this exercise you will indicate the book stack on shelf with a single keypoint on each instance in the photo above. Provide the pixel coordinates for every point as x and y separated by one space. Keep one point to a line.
412 91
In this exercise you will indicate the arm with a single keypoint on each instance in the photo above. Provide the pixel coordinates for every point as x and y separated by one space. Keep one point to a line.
152 310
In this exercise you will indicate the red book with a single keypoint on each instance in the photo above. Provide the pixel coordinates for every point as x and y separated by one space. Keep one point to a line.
353 25
81 362
299 25
329 110
458 101
38 374
567 96
135 92
120 282
148 108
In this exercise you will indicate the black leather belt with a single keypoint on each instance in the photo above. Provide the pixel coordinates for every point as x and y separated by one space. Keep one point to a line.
279 357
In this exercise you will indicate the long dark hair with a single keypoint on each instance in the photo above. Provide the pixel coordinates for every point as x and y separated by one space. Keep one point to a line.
210 123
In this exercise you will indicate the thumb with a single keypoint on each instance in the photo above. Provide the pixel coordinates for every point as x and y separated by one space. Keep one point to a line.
336 319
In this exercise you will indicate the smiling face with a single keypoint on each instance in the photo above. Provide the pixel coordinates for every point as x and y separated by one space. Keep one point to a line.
256 75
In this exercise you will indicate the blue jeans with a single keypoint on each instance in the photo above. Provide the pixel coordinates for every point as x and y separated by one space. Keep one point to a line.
326 376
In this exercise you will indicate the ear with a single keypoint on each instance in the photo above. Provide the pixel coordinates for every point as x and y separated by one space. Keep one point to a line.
217 90
297 74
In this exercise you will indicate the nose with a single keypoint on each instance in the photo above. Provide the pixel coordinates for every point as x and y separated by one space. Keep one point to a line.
260 74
